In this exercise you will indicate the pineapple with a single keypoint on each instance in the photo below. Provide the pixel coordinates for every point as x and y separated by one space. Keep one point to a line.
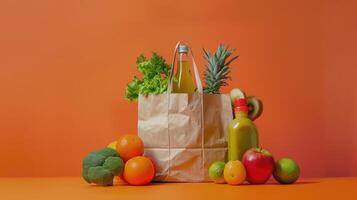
217 68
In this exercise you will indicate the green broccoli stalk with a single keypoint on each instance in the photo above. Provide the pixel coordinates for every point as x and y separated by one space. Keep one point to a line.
101 166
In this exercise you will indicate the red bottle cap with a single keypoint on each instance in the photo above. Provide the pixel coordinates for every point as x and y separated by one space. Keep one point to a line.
240 102
241 105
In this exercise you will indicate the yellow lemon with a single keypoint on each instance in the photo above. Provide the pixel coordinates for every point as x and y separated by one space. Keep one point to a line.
113 145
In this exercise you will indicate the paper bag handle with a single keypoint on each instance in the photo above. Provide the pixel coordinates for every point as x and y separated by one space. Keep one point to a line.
195 70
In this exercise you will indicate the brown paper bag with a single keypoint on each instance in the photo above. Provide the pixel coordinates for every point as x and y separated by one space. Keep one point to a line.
184 133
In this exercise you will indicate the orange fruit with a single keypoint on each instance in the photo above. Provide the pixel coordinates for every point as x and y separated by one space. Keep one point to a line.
139 171
129 146
153 162
234 172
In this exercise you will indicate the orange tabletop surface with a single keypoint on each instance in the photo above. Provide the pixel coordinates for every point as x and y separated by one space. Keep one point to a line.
75 188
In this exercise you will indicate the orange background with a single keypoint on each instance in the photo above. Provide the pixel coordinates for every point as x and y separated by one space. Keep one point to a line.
64 66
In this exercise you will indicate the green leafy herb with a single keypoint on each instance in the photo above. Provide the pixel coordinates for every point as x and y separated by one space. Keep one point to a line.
154 81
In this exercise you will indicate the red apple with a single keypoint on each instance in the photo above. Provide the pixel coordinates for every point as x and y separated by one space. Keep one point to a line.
259 165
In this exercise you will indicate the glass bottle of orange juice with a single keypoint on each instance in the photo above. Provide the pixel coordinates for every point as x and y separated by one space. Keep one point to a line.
183 80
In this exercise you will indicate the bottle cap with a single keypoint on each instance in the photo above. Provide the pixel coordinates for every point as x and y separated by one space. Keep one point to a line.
241 105
183 48
240 102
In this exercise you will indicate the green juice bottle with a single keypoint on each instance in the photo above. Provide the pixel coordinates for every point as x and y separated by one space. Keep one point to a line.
242 132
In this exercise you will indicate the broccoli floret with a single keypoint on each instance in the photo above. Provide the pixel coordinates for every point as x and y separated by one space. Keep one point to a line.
115 165
100 176
91 160
107 152
101 166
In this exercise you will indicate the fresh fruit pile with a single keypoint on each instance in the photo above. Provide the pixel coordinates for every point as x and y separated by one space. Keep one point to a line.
122 158
256 167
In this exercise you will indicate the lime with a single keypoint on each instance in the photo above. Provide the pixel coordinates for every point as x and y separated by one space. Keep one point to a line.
215 171
286 171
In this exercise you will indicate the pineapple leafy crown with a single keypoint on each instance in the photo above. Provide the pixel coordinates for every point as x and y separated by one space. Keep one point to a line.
216 72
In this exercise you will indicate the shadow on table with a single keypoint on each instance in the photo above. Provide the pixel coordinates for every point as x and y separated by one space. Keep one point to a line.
297 183
245 184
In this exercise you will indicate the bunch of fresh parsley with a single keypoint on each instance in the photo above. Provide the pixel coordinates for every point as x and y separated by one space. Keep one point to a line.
154 80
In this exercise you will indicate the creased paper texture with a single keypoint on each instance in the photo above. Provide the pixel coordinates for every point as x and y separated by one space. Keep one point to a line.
184 133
